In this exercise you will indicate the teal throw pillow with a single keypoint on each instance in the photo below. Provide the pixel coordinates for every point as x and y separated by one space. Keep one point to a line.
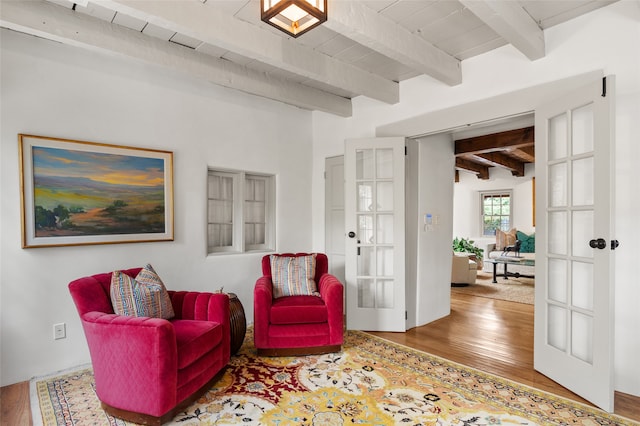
528 242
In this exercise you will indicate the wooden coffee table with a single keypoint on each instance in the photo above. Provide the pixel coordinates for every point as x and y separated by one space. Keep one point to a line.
511 261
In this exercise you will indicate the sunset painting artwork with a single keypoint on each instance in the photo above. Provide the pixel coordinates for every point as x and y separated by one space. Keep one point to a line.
79 193
91 193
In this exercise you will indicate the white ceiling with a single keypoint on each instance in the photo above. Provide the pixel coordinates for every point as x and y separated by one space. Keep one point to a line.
364 49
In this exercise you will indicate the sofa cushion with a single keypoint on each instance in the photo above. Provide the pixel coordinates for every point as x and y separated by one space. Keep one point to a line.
142 296
298 310
528 242
194 339
504 239
293 275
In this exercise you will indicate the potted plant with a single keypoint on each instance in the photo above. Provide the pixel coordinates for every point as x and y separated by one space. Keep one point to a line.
466 245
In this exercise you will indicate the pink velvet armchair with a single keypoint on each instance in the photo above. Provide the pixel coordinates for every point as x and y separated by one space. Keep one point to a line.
147 369
298 324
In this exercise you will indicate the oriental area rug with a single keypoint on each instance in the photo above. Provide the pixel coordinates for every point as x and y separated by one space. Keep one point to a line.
371 382
513 289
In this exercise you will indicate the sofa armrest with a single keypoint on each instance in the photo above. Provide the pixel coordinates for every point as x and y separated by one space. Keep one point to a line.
262 300
463 269
133 358
488 249
332 292
204 306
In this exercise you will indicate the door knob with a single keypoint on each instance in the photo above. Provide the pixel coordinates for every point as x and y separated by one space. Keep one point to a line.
600 243
351 234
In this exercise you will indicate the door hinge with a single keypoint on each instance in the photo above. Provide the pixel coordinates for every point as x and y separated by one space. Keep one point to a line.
325 174
604 87
405 151
406 315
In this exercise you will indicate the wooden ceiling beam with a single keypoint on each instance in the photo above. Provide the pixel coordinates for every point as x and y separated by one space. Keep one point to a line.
51 21
512 22
527 154
202 22
518 138
497 159
366 26
478 169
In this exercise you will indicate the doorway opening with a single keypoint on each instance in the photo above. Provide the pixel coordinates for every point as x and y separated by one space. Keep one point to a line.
497 158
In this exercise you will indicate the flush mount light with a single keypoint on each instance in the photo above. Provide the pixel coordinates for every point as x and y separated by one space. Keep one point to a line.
294 17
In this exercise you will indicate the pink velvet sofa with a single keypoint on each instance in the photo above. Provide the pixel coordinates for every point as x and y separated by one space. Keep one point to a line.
147 369
298 325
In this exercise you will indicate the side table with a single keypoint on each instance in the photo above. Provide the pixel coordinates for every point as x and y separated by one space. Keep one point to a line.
238 323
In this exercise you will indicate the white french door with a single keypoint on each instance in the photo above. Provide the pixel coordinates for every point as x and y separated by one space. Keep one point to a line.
375 234
573 342
334 215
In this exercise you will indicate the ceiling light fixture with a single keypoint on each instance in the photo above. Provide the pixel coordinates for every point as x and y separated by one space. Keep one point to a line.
294 17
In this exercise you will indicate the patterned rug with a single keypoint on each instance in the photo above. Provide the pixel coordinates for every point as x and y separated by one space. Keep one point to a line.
513 289
372 382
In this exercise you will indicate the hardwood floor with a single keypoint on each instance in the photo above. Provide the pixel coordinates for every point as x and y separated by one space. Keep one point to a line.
491 335
494 336
15 410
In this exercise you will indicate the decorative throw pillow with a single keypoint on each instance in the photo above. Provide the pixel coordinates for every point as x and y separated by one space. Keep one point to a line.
142 296
504 239
528 242
293 275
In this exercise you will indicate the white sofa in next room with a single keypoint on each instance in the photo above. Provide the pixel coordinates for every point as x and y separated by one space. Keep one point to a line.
495 250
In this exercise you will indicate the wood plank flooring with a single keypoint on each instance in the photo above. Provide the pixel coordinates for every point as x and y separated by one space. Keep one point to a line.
494 336
15 410
491 335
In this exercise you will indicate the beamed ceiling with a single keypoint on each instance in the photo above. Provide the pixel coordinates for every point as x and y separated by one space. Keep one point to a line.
509 150
364 49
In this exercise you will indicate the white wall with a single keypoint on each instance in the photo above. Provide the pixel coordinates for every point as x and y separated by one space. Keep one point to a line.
56 90
433 295
606 39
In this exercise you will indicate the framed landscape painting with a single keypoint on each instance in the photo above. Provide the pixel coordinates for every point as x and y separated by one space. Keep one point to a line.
75 193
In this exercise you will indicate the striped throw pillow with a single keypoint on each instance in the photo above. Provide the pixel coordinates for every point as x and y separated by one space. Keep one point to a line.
293 275
142 296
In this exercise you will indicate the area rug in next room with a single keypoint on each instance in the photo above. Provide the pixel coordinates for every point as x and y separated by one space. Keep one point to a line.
513 289
372 382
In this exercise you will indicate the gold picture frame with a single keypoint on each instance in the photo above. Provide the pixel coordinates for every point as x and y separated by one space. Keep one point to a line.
78 193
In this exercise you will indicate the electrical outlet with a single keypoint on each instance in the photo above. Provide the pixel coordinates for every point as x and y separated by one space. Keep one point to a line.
59 331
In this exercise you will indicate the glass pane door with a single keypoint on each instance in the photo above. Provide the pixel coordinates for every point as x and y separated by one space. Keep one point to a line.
573 342
374 220
571 208
374 183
